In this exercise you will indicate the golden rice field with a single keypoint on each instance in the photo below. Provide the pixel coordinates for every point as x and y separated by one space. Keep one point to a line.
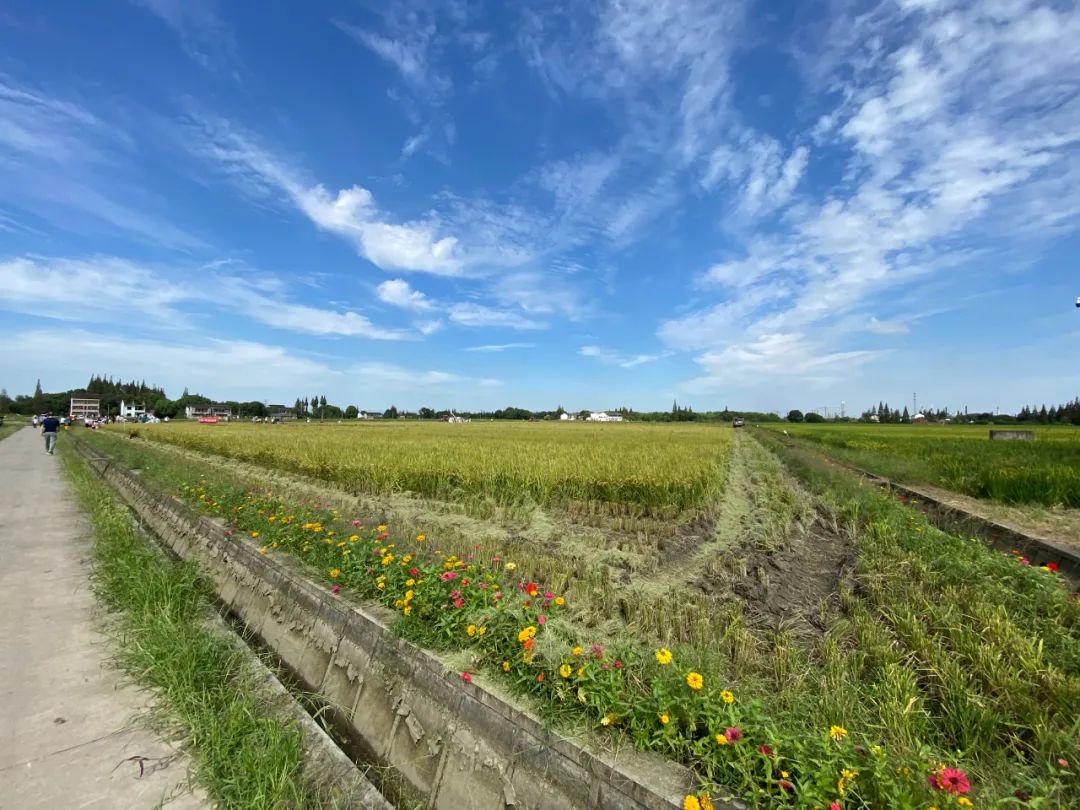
646 469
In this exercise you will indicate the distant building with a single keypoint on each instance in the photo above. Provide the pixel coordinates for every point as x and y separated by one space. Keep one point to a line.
567 417
368 415
875 418
131 410
279 412
601 416
218 409
84 408
919 417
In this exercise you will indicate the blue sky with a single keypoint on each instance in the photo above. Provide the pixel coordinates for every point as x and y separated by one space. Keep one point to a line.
468 204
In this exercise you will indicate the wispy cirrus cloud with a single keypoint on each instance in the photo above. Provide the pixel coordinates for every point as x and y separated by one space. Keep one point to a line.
934 138
205 37
500 347
616 358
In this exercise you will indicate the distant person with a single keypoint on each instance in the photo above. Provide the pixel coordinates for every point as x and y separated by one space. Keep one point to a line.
49 427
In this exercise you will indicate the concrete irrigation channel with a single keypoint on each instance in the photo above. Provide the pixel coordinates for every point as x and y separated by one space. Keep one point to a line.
399 707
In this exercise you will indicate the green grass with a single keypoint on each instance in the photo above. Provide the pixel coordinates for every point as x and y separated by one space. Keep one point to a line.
207 693
961 458
650 469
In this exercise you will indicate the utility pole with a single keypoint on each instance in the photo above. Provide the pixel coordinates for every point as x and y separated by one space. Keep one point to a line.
914 404
842 403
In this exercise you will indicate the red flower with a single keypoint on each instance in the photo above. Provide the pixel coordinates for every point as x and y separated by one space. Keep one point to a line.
540 677
1063 763
382 535
785 785
1052 567
335 589
834 806
766 750
618 664
414 571
448 576
465 676
541 619
529 643
733 734
459 602
951 780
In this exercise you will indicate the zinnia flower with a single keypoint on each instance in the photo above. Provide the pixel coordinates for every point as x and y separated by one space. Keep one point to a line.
727 697
838 733
465 676
471 630
663 656
664 719
766 750
565 670
576 651
336 589
950 780
335 573
733 734
691 803
695 681
506 666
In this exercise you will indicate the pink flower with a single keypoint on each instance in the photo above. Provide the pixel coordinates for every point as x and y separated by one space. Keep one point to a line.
448 576
541 619
1025 562
483 586
597 651
465 676
498 594
834 806
357 523
951 780
382 535
766 750
549 596
455 594
335 589
459 602
1063 763
618 664
733 734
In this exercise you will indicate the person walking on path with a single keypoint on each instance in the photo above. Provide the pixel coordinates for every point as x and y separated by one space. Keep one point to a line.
50 425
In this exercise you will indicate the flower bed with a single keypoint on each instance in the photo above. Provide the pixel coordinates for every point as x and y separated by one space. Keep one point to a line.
663 700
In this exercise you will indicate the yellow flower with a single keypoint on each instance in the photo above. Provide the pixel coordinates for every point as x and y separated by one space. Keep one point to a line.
527 633
706 802
565 670
694 680
506 666
721 739
407 610
420 538
381 527
335 573
607 720
964 801
576 651
380 585
471 630
663 656
510 566
560 601
664 719
875 750
263 549
581 672
481 630
838 733
254 534
410 582
691 803
581 695
727 697
353 538
783 774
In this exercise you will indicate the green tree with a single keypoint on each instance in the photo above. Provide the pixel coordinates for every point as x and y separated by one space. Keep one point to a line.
39 398
352 412
814 417
795 415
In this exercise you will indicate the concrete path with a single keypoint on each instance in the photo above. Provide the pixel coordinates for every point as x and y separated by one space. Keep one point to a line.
66 731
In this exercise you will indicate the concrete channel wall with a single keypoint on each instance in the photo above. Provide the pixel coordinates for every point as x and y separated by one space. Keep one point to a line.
456 743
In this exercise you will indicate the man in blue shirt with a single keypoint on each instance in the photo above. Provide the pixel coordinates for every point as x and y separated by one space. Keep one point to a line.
49 427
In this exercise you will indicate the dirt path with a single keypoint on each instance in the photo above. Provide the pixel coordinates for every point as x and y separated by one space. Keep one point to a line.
66 736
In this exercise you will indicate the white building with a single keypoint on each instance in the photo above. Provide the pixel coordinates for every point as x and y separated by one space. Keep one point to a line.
129 410
213 409
567 417
84 408
601 416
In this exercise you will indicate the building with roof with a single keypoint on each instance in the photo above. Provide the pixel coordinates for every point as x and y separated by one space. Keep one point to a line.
85 408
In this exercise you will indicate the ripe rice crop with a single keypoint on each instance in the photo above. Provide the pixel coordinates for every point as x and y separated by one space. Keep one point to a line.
656 470
962 458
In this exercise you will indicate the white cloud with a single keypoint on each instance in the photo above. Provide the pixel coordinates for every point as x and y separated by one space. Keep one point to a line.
398 293
105 289
479 315
350 213
614 358
500 347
